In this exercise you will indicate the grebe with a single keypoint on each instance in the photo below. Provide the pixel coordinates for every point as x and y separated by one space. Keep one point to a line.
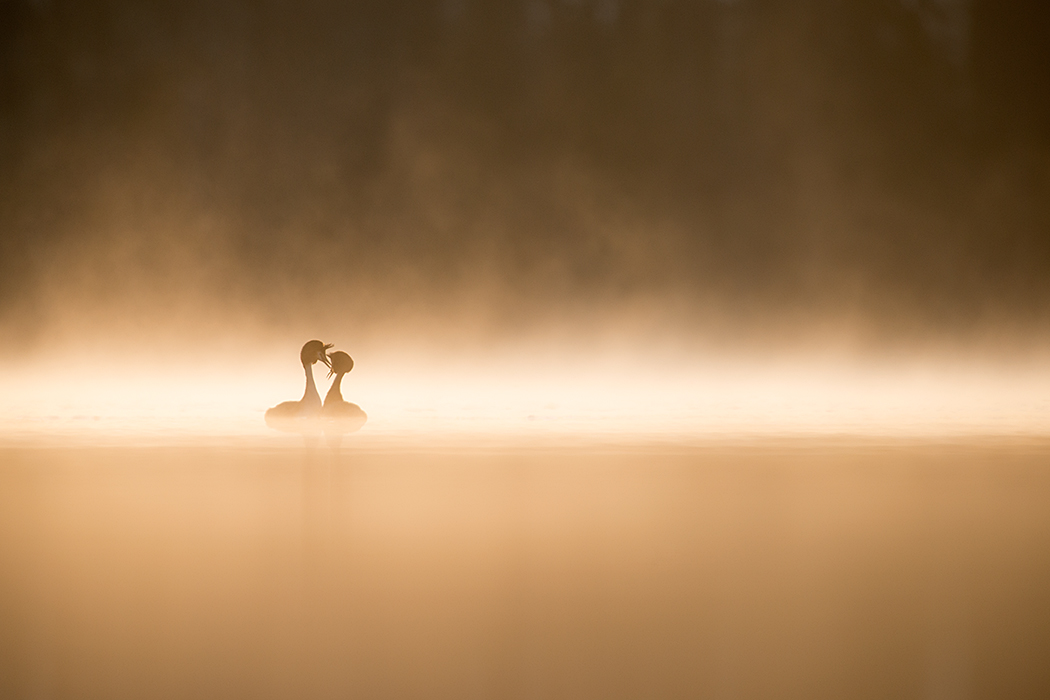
296 415
341 416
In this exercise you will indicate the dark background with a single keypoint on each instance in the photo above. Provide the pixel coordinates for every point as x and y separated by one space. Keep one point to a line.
746 169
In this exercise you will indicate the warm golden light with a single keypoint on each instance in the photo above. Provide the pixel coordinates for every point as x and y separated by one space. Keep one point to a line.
678 349
611 399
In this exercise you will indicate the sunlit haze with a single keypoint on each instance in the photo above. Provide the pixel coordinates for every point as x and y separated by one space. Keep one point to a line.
680 349
530 400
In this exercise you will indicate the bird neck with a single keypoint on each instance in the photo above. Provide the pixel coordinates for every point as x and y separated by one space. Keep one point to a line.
335 393
310 397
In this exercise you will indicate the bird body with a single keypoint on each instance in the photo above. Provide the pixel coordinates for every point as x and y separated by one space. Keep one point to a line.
341 416
297 416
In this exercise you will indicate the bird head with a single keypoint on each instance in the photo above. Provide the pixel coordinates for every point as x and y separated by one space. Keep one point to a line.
341 363
315 351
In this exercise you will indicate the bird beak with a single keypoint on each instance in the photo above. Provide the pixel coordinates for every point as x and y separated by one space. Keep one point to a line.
323 356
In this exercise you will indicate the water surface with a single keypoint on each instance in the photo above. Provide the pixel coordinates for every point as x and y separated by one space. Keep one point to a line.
788 569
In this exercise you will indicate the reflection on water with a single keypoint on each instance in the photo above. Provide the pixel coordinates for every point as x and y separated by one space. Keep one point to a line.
790 571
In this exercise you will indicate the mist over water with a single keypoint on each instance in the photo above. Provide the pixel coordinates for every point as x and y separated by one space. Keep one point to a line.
435 174
703 344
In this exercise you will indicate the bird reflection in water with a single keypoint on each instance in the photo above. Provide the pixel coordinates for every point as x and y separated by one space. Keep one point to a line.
308 416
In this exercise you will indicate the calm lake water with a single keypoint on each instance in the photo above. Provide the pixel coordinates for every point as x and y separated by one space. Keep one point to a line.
831 569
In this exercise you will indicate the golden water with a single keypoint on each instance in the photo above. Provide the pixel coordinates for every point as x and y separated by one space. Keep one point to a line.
755 569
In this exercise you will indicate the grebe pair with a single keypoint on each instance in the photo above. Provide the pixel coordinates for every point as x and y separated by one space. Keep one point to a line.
309 413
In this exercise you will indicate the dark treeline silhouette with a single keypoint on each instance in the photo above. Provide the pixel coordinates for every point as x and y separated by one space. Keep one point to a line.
876 155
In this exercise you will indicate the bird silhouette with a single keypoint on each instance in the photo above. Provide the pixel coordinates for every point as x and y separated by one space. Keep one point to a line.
297 416
341 416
